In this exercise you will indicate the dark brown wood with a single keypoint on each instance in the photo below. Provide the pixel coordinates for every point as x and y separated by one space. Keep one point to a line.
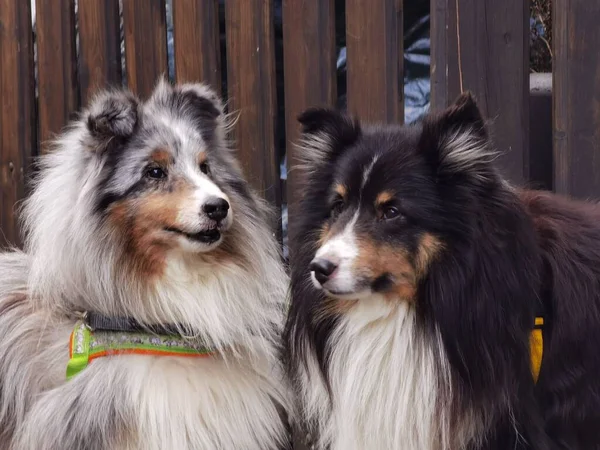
145 43
309 74
444 53
99 47
251 91
576 93
17 119
492 61
375 62
57 66
197 44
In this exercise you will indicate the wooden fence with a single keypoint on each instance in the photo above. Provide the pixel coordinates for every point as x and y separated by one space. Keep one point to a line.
479 45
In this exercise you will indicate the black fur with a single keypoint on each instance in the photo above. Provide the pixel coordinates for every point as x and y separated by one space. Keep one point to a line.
507 255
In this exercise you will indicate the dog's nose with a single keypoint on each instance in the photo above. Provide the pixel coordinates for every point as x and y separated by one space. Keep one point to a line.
323 269
216 208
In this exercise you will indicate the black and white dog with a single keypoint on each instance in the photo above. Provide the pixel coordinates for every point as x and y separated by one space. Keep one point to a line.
142 227
417 279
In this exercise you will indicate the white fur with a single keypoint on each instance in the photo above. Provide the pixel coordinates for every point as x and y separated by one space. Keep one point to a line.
390 386
341 250
464 151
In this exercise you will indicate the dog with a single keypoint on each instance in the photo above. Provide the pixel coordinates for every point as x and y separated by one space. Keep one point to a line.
143 240
419 279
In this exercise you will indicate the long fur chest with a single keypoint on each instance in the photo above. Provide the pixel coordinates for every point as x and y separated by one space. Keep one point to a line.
387 383
139 402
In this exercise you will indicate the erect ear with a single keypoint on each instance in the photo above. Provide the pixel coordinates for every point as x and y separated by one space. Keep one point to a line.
456 140
325 134
112 117
193 102
200 104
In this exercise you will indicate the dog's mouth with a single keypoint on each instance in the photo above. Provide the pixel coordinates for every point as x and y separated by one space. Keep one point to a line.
205 236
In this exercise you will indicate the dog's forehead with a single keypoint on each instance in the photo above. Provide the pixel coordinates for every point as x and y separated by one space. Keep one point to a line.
171 136
379 161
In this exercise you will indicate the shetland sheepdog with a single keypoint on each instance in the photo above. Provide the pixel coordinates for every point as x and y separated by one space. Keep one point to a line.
418 277
141 228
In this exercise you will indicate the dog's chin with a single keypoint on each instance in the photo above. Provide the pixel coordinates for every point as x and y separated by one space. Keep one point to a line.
338 293
199 241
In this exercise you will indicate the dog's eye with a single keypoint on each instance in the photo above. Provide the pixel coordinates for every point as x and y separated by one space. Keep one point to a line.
156 173
337 207
204 168
390 212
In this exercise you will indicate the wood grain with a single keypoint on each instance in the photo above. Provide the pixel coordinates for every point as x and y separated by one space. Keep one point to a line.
309 76
144 22
252 93
576 98
99 47
57 66
491 42
375 64
197 44
17 117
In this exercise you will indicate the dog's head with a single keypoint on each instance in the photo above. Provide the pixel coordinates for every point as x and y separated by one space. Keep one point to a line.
148 196
384 198
165 178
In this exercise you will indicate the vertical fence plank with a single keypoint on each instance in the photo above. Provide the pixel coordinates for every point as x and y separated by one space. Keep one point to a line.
99 46
445 84
17 120
251 90
309 72
145 27
375 64
576 93
492 47
57 66
197 44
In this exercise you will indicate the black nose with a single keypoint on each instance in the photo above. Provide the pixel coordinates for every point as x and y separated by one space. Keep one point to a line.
323 269
216 208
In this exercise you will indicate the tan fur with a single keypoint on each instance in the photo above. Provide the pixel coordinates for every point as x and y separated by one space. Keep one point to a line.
383 197
342 190
162 157
428 250
142 222
375 260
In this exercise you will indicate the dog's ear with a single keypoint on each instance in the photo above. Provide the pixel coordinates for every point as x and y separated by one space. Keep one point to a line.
456 141
112 117
200 104
325 134
194 102
202 98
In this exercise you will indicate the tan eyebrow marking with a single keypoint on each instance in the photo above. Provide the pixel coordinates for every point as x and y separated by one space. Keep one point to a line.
201 158
161 156
342 190
384 197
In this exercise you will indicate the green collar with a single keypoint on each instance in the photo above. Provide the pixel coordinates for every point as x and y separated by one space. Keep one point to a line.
87 344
